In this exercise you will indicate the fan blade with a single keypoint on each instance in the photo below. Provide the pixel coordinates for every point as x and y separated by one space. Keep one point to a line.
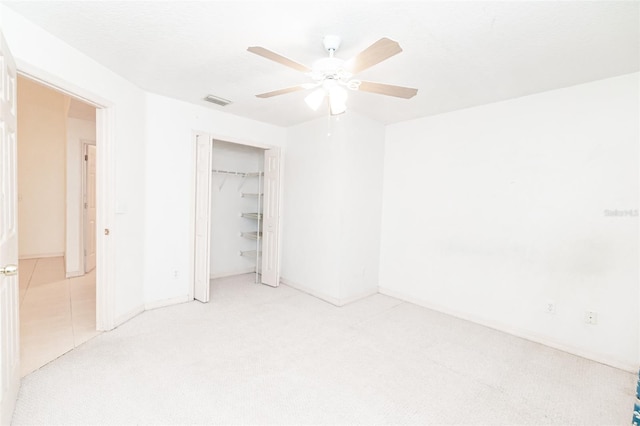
265 53
374 54
284 91
388 89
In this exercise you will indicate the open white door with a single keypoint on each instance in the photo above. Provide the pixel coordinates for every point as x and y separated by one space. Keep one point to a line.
9 318
90 208
203 217
271 218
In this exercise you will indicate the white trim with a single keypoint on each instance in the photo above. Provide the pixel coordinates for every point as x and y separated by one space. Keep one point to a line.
232 273
74 217
515 331
281 210
105 214
231 139
333 300
192 225
53 82
348 300
129 315
105 186
167 302
192 212
309 291
37 256
192 216
84 143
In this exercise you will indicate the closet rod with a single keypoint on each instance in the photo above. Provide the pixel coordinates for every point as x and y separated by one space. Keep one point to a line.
227 172
241 174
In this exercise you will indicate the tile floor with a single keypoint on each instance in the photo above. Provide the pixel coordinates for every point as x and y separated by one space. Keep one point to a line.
56 314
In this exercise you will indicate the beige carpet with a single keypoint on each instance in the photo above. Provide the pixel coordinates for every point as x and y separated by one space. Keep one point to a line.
257 355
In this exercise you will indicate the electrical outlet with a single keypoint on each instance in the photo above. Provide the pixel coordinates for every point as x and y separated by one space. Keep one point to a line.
551 307
591 317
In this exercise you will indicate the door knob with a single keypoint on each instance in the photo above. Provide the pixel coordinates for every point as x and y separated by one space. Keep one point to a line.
9 270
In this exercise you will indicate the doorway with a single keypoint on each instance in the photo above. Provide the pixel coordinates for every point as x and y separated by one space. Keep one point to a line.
237 212
57 293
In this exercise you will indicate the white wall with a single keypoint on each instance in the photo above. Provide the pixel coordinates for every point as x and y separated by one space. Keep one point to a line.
41 170
40 54
153 164
493 211
227 204
360 176
169 193
332 207
310 226
77 131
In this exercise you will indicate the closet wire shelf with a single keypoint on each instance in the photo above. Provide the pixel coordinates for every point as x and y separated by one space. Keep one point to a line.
243 175
250 253
255 235
256 216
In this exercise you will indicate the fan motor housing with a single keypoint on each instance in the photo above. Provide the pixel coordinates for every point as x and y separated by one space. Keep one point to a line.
331 42
327 65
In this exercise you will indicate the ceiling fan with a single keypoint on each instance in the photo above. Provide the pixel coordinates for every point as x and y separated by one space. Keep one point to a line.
332 76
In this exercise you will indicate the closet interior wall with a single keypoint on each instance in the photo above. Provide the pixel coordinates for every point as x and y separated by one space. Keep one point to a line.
236 179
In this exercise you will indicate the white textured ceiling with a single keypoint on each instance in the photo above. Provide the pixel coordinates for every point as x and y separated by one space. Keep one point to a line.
458 54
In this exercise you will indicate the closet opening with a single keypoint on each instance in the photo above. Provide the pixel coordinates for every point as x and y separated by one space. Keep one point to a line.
236 213
236 210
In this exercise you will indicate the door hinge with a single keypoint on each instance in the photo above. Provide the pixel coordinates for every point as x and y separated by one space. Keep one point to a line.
86 157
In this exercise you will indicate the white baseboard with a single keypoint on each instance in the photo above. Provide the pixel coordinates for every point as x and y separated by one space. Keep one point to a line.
129 315
166 302
38 256
149 306
230 274
361 296
74 274
524 334
333 300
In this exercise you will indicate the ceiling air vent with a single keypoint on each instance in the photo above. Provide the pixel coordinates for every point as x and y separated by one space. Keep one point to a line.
216 100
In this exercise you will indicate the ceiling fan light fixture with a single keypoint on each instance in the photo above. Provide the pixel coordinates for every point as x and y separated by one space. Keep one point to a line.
337 109
353 84
337 100
332 76
331 43
315 98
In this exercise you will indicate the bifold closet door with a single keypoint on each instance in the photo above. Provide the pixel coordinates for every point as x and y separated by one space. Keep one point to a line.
271 218
202 220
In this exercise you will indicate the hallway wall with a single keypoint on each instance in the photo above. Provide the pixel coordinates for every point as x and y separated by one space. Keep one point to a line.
42 116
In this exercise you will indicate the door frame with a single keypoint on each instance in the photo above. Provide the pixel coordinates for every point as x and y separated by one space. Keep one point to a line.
105 186
84 143
226 138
